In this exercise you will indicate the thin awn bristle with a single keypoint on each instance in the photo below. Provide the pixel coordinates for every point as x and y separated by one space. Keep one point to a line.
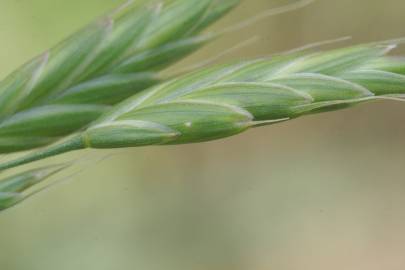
217 57
298 4
318 44
122 7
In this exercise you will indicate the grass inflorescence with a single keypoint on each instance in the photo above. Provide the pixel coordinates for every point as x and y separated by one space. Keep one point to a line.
120 54
101 88
69 86
225 100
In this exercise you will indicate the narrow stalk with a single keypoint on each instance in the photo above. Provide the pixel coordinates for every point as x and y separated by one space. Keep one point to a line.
72 144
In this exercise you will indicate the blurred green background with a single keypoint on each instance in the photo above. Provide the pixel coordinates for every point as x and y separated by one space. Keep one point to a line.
320 192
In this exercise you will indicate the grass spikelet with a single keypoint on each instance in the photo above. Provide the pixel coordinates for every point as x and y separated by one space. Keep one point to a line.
225 100
72 84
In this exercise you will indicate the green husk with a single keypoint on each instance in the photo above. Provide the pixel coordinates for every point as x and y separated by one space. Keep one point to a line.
111 59
225 100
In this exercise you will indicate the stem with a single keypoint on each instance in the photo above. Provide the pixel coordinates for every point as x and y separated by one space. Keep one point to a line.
73 143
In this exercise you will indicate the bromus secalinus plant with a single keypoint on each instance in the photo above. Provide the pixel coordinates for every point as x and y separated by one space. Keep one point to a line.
120 54
101 88
226 100
67 87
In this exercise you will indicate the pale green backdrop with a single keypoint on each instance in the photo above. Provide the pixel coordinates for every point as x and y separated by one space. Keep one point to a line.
320 192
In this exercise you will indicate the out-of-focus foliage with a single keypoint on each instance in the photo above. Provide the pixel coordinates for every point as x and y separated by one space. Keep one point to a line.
17 188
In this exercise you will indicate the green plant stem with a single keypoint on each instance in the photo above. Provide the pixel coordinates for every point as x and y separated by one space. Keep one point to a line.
71 144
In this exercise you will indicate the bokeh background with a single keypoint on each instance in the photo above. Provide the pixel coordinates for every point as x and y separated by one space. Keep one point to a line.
320 192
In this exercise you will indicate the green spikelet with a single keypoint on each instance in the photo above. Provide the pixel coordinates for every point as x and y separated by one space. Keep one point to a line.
225 100
72 84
